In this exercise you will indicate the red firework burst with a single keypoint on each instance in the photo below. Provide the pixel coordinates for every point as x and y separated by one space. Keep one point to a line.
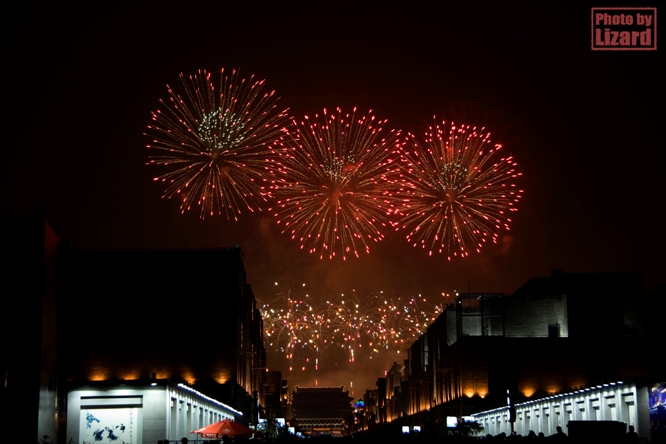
332 190
457 190
216 143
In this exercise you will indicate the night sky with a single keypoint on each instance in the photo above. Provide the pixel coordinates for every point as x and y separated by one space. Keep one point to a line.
584 126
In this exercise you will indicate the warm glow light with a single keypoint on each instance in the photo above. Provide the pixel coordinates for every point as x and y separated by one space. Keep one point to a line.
130 376
188 376
528 392
99 375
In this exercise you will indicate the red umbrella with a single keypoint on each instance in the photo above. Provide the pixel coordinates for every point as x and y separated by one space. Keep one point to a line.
226 427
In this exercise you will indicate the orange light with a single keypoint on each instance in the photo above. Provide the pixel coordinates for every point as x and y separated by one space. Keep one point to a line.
221 379
527 392
99 375
130 375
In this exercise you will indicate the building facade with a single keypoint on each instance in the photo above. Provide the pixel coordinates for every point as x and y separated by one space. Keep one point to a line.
93 319
188 316
555 335
614 401
140 411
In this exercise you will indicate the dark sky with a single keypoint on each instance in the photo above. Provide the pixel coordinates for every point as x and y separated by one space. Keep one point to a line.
584 126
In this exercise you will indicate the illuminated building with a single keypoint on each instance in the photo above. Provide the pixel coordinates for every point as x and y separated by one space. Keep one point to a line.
615 401
392 387
140 411
186 316
107 321
554 335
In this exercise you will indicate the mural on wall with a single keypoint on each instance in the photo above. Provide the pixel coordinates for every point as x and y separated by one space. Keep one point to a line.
658 396
109 425
657 405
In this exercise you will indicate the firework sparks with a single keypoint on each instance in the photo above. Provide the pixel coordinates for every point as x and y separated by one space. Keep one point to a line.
216 143
308 334
333 196
297 328
458 192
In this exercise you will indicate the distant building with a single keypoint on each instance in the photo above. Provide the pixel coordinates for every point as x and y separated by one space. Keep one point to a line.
393 405
322 410
382 398
367 413
275 396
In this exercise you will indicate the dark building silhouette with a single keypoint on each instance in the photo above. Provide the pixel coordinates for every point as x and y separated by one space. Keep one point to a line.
183 315
276 392
367 413
92 329
382 398
34 388
165 340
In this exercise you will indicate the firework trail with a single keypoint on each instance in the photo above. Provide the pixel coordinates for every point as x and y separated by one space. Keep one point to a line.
316 335
298 328
457 190
216 143
332 193
379 324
